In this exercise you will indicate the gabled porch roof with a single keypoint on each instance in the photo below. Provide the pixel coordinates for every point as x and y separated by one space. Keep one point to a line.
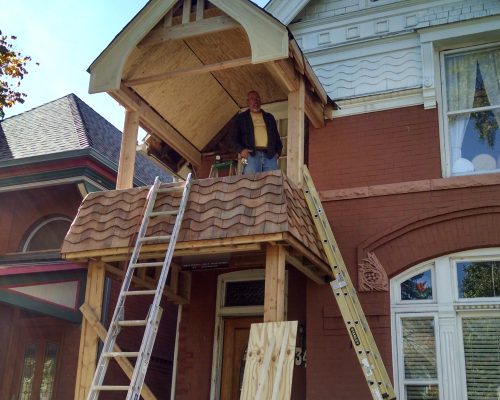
230 214
186 66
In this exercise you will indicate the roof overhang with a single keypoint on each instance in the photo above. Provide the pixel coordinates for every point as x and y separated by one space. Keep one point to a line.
267 36
186 70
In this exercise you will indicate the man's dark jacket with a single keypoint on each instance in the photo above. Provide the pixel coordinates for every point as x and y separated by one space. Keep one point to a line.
243 134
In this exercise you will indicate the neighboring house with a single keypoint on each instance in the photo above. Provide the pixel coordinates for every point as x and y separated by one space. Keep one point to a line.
50 158
409 173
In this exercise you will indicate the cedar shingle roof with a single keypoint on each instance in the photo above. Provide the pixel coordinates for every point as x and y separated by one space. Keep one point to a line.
220 208
67 124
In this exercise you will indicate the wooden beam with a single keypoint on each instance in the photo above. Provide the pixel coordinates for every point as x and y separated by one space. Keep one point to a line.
125 178
149 283
155 124
295 134
188 30
199 69
284 72
296 263
226 245
186 11
200 8
92 319
87 356
305 68
322 270
314 110
274 296
297 55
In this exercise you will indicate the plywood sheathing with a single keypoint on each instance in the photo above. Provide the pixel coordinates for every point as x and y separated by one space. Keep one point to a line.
222 210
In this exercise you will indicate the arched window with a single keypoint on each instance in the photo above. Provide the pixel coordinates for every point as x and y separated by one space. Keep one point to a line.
47 234
446 328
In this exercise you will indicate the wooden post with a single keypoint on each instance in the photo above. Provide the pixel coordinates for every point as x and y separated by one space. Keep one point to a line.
274 296
87 356
125 178
295 138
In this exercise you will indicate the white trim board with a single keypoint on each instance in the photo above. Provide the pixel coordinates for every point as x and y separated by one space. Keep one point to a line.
381 102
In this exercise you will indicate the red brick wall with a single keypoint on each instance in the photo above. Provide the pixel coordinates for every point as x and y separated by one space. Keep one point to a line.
20 210
405 229
381 147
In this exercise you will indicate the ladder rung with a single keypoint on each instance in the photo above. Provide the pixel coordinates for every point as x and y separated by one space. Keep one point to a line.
171 189
110 387
133 322
138 292
129 354
155 238
147 264
162 213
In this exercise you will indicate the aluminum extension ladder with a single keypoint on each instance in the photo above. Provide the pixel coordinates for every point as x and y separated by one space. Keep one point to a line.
152 320
355 321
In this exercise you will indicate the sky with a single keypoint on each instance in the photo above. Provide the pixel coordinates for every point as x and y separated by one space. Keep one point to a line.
65 37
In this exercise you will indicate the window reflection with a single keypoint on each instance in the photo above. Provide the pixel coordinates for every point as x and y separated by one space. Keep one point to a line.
418 287
478 279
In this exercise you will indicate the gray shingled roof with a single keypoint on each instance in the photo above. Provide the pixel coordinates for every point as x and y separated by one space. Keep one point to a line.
63 125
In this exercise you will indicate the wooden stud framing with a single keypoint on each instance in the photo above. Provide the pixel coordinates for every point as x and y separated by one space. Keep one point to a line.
92 319
295 136
274 297
125 178
200 8
87 356
190 71
180 296
186 11
314 110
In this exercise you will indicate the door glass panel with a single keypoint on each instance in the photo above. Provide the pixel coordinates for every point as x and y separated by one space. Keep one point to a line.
28 375
244 293
49 371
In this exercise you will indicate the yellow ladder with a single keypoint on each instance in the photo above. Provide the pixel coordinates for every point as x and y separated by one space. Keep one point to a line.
355 321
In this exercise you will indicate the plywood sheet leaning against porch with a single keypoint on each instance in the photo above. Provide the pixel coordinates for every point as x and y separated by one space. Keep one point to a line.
269 362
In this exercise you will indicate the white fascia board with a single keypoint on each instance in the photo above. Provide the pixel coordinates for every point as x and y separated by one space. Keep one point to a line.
286 10
106 70
380 102
453 31
268 37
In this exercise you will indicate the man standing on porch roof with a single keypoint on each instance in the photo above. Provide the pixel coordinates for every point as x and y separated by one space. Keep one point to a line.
256 138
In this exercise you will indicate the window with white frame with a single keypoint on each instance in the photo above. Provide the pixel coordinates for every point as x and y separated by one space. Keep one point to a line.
471 106
446 328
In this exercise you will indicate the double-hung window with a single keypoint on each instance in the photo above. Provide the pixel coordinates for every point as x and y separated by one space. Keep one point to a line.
471 89
446 328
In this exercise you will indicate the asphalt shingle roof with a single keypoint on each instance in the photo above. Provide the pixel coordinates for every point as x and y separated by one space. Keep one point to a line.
67 124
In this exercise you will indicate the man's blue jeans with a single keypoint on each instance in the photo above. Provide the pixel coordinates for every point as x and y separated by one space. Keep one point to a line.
258 162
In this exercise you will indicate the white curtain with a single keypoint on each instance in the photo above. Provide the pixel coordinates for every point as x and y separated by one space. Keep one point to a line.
489 64
460 88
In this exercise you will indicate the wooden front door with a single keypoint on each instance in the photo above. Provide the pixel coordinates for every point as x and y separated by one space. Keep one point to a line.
236 333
